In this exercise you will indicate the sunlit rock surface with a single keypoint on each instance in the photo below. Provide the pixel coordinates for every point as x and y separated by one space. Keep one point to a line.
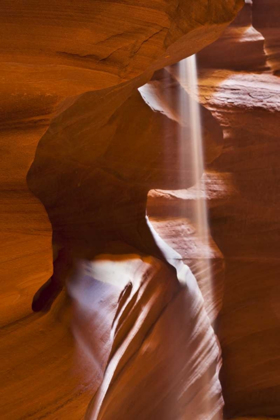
240 48
51 53
266 15
39 378
165 355
244 220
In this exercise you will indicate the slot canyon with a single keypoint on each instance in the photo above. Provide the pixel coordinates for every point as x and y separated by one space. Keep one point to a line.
140 209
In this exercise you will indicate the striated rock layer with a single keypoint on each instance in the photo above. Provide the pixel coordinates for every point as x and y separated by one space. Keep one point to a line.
246 229
96 193
266 15
164 359
52 54
126 320
243 202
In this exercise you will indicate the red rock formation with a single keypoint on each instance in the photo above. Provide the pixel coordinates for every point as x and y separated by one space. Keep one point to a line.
244 219
241 192
240 48
48 57
95 191
266 15
158 345
50 54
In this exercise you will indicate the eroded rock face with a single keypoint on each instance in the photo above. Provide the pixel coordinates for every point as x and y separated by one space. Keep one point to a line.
266 20
50 54
52 51
41 69
103 168
96 190
162 353
241 46
243 201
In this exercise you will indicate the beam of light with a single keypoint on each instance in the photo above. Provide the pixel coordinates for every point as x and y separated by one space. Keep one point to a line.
190 107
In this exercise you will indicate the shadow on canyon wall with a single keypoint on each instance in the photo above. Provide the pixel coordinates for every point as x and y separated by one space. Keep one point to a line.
96 164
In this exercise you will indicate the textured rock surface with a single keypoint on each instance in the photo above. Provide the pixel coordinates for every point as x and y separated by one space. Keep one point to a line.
243 201
95 192
46 57
152 334
95 189
240 48
50 54
266 20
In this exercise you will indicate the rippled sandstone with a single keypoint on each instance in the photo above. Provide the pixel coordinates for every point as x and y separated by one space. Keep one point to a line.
48 82
243 201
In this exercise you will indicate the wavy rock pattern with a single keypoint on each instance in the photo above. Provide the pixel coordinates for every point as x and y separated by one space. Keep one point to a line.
266 20
52 53
49 61
95 192
243 203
